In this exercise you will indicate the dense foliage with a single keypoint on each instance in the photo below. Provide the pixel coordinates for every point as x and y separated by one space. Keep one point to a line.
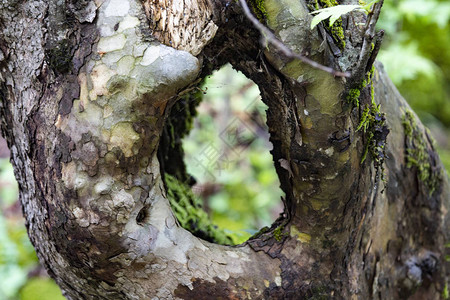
416 56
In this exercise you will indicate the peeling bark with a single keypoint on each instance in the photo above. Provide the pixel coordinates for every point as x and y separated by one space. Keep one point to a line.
183 25
85 91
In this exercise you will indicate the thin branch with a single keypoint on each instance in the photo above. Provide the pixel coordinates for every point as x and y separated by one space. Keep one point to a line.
272 39
376 48
366 49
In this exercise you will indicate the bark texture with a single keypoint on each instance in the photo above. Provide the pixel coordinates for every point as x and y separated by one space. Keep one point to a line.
86 88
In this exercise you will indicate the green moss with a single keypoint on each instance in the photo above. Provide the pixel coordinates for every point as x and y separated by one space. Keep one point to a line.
418 155
185 205
445 293
336 30
409 123
368 80
263 230
259 9
190 214
372 94
364 121
278 233
177 126
353 97
328 3
372 123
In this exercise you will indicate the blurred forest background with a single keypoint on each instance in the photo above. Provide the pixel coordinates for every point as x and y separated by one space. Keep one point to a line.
228 149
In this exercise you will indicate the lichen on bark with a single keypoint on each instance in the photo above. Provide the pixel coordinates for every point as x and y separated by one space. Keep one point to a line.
421 155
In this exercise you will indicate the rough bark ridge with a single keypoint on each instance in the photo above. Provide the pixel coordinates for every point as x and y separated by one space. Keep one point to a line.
85 90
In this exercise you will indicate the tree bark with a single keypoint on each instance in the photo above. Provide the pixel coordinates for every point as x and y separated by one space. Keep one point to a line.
86 88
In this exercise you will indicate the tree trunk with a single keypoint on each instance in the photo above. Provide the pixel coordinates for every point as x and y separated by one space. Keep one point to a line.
86 87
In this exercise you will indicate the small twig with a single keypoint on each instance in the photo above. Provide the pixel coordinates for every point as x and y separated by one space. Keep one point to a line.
272 39
376 48
366 49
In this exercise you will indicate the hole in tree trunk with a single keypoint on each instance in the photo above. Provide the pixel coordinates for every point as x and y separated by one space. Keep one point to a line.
142 215
218 171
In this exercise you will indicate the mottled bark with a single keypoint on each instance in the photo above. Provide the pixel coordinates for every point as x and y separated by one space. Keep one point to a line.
85 90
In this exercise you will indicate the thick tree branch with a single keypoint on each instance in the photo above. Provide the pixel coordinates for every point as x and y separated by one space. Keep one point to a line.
268 36
84 142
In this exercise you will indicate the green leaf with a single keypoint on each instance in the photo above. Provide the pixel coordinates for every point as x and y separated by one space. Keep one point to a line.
369 5
334 13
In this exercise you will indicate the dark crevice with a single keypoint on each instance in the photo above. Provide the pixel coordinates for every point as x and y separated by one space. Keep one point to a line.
142 216
177 125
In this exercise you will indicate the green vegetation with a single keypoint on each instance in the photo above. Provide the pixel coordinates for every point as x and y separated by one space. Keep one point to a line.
259 9
415 54
278 233
17 256
445 293
40 289
373 124
189 212
335 25
227 152
336 30
353 97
